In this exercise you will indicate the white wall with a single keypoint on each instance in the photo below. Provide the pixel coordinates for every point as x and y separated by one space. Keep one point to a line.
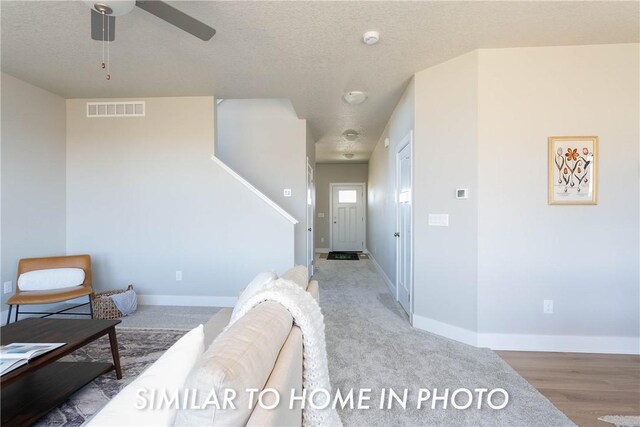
326 173
445 158
481 122
145 199
585 258
265 142
381 213
32 175
311 146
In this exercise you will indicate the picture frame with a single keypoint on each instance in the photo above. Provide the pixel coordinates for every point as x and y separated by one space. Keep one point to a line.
573 170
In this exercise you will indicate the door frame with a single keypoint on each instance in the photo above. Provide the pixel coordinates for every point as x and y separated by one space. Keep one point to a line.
407 140
363 185
310 218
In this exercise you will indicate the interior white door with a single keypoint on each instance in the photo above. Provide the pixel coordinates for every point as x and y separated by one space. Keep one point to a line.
404 227
311 207
347 217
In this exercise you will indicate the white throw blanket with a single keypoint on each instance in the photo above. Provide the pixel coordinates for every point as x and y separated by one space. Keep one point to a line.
307 316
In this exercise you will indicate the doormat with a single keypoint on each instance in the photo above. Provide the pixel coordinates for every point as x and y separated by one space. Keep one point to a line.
343 256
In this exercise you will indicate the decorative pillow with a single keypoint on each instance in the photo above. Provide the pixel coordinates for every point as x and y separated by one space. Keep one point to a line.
52 278
298 275
167 375
256 285
240 358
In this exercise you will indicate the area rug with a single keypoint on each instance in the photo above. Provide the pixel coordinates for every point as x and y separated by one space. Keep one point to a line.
343 256
138 349
622 420
371 345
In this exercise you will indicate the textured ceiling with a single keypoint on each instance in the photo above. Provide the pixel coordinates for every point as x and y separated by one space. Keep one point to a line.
309 52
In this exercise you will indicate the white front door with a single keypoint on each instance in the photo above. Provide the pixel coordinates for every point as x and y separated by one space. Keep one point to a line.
404 271
311 204
347 217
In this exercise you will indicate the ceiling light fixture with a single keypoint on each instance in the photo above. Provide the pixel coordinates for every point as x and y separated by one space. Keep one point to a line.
114 7
348 156
350 134
355 97
371 37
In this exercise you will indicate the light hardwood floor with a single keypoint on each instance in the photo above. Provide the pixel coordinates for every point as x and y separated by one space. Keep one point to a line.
583 386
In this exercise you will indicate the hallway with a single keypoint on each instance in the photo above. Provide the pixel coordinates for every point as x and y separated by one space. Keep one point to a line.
370 344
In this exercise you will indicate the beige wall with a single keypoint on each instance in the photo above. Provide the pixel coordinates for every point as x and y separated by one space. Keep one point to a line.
381 211
145 199
264 141
481 122
585 258
33 190
326 173
445 158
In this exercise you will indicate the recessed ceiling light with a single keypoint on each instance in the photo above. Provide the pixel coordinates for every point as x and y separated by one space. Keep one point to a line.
355 97
350 134
371 37
348 156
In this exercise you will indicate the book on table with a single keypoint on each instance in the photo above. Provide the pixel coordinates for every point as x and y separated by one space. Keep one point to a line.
16 354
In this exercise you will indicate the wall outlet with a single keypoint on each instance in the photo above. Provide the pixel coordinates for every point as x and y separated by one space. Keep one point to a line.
287 192
322 240
178 275
547 306
7 287
320 214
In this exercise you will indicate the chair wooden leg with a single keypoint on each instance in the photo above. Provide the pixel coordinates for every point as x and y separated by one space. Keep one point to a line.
9 316
17 308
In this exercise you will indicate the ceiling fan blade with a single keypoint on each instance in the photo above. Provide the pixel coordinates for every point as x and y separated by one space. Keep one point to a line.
181 20
97 20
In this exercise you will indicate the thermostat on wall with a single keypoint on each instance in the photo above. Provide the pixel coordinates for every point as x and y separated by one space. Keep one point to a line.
462 193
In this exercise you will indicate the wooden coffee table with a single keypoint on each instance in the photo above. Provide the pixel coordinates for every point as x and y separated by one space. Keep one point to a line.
32 390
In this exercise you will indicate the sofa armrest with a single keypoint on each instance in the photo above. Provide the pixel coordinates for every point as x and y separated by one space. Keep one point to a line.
314 290
215 325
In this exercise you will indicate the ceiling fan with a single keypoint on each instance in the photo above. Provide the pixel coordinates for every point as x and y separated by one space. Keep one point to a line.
105 12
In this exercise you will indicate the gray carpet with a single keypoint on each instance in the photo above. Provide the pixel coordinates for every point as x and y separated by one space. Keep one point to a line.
138 349
168 317
371 345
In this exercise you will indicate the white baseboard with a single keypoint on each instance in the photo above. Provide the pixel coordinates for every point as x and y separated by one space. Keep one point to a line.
560 343
446 330
390 284
187 300
323 250
530 342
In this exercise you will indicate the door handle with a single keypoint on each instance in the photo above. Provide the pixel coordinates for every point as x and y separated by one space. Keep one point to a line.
396 234
309 229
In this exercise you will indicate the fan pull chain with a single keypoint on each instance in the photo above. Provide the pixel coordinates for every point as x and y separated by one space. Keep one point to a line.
108 45
103 40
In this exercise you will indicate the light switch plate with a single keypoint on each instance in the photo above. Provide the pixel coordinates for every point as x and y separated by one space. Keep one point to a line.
287 192
7 287
439 220
178 276
320 214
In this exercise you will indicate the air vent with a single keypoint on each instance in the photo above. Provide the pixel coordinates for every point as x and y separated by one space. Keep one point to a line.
115 109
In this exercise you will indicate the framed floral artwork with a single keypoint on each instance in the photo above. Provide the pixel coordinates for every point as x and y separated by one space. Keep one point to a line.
573 170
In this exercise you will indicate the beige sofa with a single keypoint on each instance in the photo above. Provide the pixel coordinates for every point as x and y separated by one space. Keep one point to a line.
262 350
